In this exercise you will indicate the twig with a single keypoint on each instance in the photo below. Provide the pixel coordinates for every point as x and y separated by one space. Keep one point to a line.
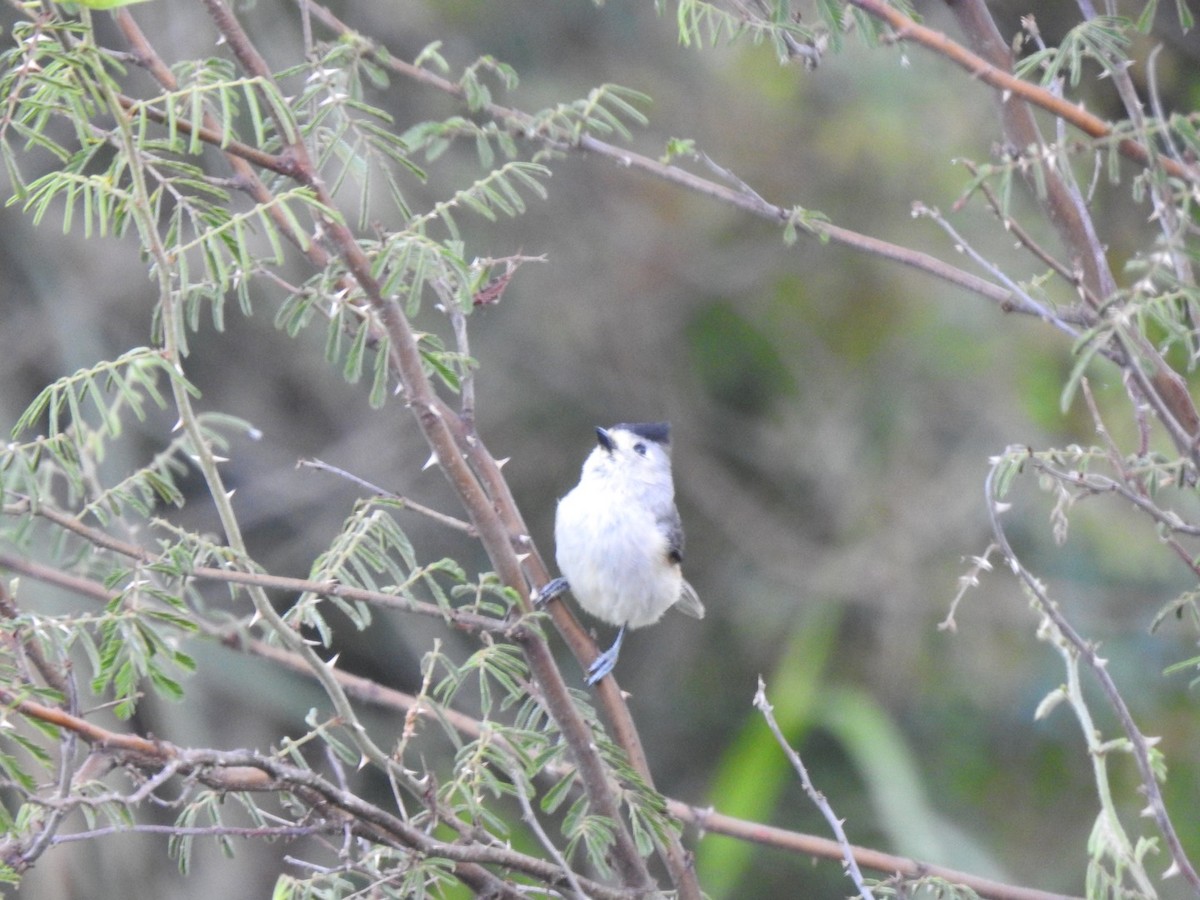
966 581
451 307
1027 241
1110 838
439 517
1094 483
760 701
412 706
1023 301
267 831
908 30
809 54
1087 653
731 177
255 772
517 779
709 820
523 123
1110 446
460 618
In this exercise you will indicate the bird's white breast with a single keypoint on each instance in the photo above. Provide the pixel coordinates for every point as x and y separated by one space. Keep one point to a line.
612 552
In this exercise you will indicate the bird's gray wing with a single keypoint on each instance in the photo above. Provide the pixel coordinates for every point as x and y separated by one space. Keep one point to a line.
688 601
673 527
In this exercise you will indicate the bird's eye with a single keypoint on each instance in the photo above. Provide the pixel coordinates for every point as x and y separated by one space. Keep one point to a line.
639 448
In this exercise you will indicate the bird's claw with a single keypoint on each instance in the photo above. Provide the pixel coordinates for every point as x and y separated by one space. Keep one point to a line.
550 591
601 666
606 661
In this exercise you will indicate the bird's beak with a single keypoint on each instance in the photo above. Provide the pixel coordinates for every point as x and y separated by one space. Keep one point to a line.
605 439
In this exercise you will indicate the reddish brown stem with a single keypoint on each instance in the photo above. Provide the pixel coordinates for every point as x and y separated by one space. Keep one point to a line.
441 428
908 30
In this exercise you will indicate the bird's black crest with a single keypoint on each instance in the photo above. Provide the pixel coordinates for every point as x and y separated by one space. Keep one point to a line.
659 432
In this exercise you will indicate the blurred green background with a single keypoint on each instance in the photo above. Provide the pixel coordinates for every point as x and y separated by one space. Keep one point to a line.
833 417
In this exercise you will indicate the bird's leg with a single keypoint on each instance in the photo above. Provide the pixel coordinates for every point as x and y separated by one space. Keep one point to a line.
551 591
604 663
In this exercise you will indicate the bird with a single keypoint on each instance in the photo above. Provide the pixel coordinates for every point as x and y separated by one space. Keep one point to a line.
619 539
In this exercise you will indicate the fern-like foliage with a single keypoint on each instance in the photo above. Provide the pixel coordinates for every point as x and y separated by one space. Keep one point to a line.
1102 40
371 552
358 152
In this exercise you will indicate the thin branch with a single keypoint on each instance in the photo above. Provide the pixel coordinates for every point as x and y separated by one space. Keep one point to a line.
708 820
1008 84
266 831
440 517
1026 240
524 125
254 772
809 54
763 706
970 579
1086 652
259 580
1093 483
459 618
411 707
1023 301
517 779
1111 839
209 134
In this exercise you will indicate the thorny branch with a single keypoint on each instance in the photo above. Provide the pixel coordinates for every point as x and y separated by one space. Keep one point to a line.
410 706
1086 652
822 803
1161 385
456 450
468 465
337 808
906 29
747 201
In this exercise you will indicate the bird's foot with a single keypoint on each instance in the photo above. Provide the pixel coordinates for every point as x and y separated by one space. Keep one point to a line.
606 661
550 591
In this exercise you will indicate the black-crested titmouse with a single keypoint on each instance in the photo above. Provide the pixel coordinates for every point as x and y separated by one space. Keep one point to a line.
618 538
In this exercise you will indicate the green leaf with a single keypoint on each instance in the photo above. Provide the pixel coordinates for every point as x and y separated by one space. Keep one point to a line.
1186 19
167 687
10 769
353 368
1146 20
554 797
380 385
1086 350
